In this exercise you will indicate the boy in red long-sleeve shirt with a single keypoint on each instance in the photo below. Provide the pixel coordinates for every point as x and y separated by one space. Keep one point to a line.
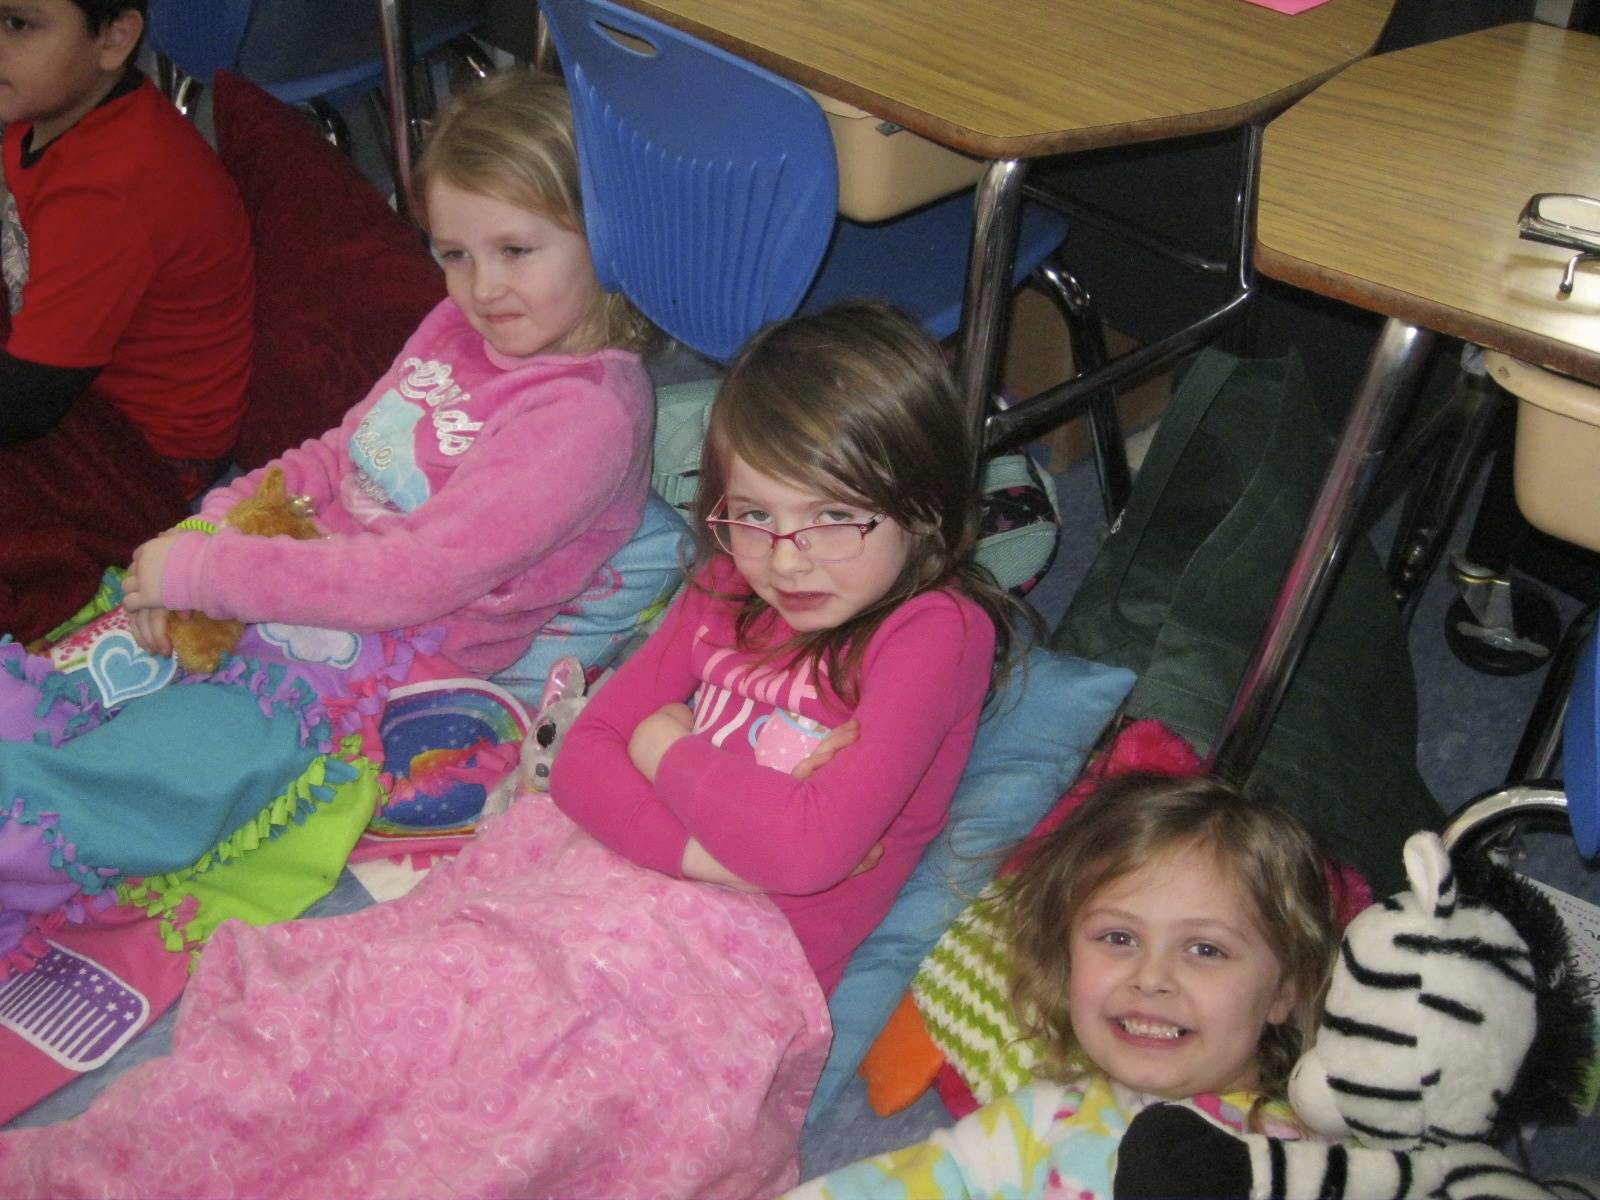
128 271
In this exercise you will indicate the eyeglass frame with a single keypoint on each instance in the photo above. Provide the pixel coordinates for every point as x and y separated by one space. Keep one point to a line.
793 536
1534 227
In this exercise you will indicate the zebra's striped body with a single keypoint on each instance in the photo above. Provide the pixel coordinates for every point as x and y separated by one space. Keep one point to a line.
1430 1014
1320 1171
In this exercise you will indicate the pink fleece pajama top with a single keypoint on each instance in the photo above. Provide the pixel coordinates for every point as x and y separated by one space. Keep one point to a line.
468 490
923 681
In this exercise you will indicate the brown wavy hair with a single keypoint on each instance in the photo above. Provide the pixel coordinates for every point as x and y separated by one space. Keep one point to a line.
1132 820
511 137
857 405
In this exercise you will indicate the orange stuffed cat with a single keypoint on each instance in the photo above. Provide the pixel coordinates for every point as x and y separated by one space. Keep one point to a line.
200 641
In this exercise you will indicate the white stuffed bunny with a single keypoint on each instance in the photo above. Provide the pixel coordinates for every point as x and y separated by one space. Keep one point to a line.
565 693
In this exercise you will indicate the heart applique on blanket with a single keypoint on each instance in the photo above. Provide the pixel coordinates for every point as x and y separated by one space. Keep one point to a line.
121 671
117 668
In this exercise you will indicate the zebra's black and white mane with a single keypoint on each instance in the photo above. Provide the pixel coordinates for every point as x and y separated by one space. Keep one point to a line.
1552 1070
1455 1013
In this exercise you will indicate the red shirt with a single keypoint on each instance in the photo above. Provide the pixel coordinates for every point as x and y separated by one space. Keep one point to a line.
138 261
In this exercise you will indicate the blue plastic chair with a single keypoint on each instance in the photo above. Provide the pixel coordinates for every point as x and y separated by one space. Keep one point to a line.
1581 753
710 191
319 53
1575 798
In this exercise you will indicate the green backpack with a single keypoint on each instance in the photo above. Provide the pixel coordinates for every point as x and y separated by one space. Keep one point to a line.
1182 585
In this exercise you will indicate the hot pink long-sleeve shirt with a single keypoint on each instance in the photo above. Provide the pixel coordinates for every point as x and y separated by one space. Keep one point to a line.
468 490
923 681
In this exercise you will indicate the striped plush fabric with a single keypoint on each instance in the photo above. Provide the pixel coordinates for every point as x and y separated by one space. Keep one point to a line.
960 990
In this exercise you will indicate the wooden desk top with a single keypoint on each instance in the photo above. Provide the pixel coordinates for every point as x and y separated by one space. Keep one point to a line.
1396 187
1033 77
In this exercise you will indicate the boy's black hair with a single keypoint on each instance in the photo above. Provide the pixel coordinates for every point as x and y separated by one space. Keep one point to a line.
98 12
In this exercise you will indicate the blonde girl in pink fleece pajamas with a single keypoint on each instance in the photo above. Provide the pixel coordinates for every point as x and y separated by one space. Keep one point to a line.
488 475
501 459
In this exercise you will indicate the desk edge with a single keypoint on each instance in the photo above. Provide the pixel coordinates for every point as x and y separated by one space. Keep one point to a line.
1564 357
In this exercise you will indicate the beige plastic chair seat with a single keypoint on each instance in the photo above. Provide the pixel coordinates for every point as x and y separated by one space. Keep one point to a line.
1557 471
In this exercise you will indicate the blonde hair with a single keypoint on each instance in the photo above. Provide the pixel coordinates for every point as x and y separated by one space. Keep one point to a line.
855 404
510 137
1132 820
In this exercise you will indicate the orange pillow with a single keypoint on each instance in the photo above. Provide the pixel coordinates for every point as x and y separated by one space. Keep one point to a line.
902 1063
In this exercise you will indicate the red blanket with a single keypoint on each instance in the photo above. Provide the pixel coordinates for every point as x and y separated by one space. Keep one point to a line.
73 502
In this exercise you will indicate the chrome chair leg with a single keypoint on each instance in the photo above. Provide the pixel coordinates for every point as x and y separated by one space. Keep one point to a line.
167 75
1479 820
394 26
1086 331
1539 750
997 210
186 93
544 49
1078 392
330 124
1358 456
1431 509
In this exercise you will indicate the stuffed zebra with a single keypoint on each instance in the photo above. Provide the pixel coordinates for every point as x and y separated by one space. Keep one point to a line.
1455 1012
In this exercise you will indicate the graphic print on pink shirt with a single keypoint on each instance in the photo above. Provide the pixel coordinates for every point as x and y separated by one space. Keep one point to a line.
783 740
764 703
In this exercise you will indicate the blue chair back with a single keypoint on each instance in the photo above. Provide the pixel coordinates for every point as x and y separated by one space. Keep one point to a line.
710 188
1580 751
299 50
199 36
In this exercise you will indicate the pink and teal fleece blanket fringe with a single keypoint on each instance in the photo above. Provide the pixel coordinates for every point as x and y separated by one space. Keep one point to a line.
91 796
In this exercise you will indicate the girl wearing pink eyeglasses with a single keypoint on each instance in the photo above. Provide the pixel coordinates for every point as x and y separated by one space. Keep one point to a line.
799 722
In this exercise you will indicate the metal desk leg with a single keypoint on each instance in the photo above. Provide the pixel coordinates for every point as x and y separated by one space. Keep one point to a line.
1368 430
1071 397
394 30
997 210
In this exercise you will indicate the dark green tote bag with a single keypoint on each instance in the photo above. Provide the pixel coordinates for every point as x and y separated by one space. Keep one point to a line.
1180 590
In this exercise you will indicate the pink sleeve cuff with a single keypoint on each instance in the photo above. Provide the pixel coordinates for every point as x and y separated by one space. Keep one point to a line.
180 584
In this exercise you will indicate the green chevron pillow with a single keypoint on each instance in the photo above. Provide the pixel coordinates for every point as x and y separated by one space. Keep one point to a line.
960 990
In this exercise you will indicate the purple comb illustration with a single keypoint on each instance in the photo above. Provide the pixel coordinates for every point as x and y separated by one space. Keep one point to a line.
73 1009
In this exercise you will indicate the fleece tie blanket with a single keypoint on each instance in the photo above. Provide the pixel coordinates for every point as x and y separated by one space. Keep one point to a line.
539 1017
115 764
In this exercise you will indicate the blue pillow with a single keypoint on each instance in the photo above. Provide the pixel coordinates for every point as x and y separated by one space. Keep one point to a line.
630 591
1027 751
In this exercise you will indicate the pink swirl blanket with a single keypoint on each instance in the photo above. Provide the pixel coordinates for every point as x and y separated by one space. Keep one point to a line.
539 1017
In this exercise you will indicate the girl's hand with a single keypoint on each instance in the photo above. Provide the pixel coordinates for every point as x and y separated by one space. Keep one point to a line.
835 741
868 861
655 735
141 586
149 628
